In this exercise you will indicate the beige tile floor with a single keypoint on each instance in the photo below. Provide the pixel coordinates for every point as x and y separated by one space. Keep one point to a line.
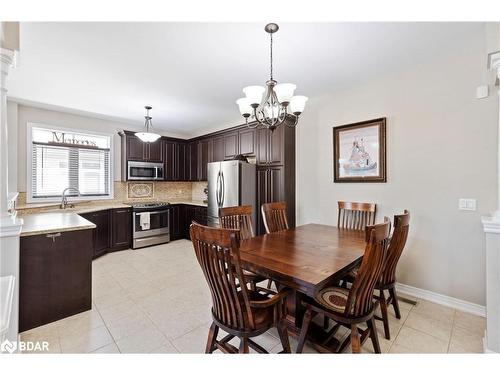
155 300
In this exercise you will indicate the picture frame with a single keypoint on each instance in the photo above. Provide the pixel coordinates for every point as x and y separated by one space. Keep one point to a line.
359 151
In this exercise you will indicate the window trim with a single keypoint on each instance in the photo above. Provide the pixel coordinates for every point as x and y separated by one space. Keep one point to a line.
29 156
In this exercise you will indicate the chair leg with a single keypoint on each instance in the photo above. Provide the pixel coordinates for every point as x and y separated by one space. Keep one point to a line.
212 336
385 315
355 340
374 335
395 302
285 343
303 330
244 346
269 282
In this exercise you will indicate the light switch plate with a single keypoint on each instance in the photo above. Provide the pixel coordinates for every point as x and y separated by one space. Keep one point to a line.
467 204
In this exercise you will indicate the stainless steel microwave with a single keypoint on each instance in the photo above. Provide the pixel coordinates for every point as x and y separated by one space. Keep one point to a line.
146 171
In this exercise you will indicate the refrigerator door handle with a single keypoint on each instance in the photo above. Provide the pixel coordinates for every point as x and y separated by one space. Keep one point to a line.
217 192
223 190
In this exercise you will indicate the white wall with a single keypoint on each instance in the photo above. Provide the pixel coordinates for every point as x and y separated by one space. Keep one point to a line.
441 146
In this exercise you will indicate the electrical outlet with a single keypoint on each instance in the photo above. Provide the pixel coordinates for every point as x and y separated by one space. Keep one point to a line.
467 204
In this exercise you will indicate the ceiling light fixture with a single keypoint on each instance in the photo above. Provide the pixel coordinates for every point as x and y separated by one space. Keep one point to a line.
269 106
148 136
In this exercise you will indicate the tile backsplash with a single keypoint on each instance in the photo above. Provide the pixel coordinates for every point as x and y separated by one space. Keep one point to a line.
162 191
197 193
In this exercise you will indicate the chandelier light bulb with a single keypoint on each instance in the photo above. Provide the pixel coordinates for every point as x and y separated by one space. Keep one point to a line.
254 94
245 107
284 92
298 103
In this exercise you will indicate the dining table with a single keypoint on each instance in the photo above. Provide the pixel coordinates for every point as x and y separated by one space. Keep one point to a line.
305 259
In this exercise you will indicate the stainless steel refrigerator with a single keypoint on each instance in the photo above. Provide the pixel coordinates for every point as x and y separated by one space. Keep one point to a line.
230 183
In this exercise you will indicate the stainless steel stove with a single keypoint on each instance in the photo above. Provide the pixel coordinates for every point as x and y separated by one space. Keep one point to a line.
150 222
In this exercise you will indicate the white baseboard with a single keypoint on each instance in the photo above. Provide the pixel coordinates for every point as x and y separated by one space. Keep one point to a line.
441 299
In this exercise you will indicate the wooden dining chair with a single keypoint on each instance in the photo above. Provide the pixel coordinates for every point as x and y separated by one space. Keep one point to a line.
350 307
388 279
240 312
355 215
274 216
240 218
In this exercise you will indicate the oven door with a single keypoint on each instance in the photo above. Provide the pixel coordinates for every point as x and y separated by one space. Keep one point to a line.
158 224
144 171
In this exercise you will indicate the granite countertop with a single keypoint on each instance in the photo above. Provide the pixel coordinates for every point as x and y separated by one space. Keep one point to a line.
42 223
190 202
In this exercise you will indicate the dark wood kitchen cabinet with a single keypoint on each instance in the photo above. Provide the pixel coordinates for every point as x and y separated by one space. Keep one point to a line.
121 229
102 232
247 139
55 277
218 150
271 145
113 230
231 146
270 188
177 221
181 216
137 150
175 161
191 164
205 147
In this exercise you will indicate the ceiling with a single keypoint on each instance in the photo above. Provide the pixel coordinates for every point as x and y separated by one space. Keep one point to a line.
192 73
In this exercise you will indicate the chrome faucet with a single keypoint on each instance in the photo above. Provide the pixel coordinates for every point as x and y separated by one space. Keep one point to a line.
64 201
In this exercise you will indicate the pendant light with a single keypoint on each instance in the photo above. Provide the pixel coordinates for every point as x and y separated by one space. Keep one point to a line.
148 136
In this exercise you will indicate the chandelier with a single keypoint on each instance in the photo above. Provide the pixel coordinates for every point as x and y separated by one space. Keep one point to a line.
148 136
270 105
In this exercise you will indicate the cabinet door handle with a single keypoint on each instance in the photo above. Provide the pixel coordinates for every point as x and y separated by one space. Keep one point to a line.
53 236
122 211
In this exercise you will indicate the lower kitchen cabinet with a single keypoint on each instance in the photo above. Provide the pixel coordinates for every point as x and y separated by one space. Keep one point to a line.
113 230
181 216
121 228
55 277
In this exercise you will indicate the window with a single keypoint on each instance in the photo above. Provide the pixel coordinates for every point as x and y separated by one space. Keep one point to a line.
62 159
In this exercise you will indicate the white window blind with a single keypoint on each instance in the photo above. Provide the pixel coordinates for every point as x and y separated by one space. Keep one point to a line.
64 159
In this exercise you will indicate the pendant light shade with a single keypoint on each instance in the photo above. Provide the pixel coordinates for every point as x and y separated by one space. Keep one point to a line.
148 136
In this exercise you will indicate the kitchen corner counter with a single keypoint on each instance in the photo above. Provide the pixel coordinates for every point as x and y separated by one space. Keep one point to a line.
190 202
42 223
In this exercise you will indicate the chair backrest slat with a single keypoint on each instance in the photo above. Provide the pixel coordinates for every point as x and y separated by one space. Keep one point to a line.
217 251
274 216
238 217
396 246
360 299
355 215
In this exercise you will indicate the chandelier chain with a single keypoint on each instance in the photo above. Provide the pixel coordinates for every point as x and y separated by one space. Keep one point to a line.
271 55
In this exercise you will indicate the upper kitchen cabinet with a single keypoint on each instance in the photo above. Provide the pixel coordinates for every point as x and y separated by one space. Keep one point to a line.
177 160
191 164
247 139
225 146
135 149
274 147
205 148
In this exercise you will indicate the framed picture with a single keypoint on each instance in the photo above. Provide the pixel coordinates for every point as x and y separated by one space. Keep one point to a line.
359 152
